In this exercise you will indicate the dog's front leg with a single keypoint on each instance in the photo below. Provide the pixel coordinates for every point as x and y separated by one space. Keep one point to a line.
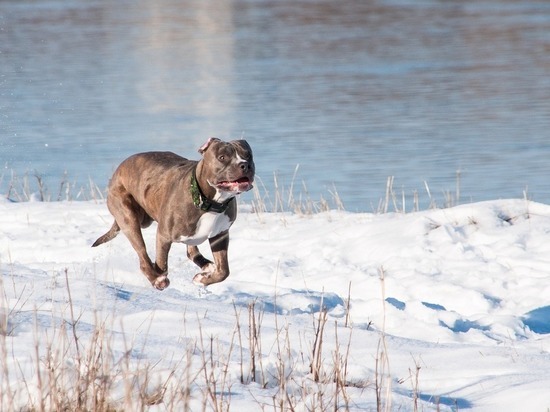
194 254
219 245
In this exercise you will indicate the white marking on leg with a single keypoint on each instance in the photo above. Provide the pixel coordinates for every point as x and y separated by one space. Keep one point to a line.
210 268
197 279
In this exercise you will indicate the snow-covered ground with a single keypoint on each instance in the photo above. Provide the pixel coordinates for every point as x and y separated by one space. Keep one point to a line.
448 309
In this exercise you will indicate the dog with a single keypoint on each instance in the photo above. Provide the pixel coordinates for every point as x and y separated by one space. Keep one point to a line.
191 201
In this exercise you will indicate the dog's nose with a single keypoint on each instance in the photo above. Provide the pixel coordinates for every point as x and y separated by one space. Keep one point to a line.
244 166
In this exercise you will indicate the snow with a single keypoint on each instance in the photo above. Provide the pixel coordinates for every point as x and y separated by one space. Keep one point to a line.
445 309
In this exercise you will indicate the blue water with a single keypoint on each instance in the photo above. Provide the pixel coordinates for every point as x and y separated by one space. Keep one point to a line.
351 92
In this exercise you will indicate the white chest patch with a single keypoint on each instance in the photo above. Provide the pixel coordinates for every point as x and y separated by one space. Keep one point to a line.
209 225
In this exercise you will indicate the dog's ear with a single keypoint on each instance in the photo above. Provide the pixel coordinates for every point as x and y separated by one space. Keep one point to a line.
205 146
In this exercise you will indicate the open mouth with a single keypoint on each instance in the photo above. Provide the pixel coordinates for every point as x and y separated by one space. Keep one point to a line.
242 184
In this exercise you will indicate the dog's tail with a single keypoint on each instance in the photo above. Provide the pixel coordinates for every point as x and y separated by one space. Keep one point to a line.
111 234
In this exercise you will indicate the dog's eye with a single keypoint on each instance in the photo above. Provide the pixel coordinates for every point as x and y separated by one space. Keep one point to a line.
221 158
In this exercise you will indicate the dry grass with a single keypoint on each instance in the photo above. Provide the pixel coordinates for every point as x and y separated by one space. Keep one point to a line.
31 187
286 198
396 201
282 197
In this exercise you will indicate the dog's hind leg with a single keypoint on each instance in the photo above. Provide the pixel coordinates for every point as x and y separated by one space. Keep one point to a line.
161 261
111 234
130 216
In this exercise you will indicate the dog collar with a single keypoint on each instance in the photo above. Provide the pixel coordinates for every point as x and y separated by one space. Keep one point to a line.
202 202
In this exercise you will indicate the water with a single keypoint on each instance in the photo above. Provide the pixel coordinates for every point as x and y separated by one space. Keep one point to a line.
351 91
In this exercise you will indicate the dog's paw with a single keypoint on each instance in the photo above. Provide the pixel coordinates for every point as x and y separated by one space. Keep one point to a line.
200 279
161 282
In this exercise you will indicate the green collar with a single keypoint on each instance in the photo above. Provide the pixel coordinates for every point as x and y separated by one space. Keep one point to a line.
201 201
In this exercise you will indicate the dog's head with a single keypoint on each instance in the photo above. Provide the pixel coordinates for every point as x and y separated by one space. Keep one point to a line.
231 166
